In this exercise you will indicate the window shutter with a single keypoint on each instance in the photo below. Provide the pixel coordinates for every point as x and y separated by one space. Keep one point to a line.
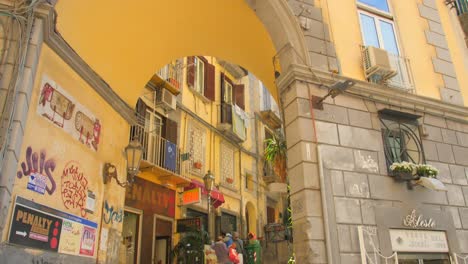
191 71
222 86
170 130
239 95
209 81
141 112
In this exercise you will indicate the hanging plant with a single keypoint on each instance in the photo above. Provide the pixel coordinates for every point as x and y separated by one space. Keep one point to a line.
275 154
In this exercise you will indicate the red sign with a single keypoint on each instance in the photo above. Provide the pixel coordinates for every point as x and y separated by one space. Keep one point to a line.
151 197
191 196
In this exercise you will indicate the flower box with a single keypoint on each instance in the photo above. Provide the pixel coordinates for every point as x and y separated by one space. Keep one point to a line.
229 180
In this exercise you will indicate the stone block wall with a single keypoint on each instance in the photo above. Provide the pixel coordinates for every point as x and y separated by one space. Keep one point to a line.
353 180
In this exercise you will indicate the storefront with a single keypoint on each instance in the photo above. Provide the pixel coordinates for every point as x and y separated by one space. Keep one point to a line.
149 222
409 236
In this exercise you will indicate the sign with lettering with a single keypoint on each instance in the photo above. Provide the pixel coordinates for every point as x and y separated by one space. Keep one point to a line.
417 221
191 196
404 240
188 224
151 197
39 226
35 229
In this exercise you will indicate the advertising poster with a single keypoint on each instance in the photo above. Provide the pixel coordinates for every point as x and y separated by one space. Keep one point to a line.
70 237
88 241
39 226
35 229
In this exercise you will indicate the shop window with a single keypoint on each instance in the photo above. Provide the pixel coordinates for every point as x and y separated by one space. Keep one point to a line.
401 138
226 158
200 76
194 213
228 223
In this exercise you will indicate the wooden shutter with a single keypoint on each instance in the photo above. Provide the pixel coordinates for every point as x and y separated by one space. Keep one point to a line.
209 81
239 95
222 86
191 71
170 131
141 112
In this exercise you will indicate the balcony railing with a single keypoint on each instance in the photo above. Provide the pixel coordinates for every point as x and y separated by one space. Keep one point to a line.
461 6
171 76
269 174
232 121
160 153
403 79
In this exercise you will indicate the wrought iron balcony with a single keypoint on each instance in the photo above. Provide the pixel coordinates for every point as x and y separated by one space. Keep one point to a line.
170 77
232 122
403 79
162 157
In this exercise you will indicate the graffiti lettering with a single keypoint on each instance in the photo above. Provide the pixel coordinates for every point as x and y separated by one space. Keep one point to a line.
74 187
41 260
34 168
111 216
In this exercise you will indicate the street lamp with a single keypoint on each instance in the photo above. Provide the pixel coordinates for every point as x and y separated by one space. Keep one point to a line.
133 154
208 179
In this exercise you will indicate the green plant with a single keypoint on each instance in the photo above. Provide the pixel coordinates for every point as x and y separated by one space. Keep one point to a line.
190 247
426 170
292 259
403 167
275 154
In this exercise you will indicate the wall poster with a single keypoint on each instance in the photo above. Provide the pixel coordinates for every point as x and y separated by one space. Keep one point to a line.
61 109
38 226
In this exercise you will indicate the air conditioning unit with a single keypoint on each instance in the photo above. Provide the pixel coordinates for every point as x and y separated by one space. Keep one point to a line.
165 99
377 64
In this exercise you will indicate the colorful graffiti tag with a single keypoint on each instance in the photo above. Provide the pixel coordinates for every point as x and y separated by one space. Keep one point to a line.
39 170
74 187
57 106
110 215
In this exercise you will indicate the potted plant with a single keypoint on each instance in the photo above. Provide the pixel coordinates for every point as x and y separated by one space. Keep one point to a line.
197 165
230 180
426 170
403 170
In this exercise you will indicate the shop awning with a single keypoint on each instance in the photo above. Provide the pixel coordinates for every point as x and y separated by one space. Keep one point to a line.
216 196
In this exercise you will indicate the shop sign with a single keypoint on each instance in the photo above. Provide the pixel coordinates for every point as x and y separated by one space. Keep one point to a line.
151 197
188 224
418 241
414 221
191 196
38 226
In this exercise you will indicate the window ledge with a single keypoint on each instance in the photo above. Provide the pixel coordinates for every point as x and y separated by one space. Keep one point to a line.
199 95
374 10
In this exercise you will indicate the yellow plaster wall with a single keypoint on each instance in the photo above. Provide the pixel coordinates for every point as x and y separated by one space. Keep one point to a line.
40 134
129 41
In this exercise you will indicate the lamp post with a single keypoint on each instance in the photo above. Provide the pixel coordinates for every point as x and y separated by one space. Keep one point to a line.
209 182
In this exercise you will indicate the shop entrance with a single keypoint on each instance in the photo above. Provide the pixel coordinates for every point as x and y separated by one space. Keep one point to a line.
162 240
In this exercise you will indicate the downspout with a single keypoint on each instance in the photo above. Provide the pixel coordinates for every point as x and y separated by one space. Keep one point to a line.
241 196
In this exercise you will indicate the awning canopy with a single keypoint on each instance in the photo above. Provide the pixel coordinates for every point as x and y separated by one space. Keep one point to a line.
217 197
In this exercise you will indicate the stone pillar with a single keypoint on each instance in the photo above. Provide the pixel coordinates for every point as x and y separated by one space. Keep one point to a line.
14 135
303 171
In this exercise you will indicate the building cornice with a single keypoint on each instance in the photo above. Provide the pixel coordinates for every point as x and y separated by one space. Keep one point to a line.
375 92
56 42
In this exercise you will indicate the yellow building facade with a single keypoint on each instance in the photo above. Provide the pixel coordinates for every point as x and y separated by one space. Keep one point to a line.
362 85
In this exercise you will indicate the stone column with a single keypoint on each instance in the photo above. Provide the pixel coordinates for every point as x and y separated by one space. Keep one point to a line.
303 171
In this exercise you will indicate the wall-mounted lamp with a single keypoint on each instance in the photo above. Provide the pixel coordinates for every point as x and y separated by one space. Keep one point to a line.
133 154
333 91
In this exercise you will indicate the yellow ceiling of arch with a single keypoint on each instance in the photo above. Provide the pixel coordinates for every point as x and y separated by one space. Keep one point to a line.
125 42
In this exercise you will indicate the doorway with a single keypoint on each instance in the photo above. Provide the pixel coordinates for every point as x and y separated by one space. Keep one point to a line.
423 258
131 232
162 239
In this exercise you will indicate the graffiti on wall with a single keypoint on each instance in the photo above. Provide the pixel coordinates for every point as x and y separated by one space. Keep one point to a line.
112 215
57 106
74 187
39 170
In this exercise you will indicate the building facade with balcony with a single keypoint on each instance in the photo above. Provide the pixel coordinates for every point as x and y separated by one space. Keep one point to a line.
69 105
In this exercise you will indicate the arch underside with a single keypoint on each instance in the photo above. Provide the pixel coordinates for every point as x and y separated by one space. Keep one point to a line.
129 42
